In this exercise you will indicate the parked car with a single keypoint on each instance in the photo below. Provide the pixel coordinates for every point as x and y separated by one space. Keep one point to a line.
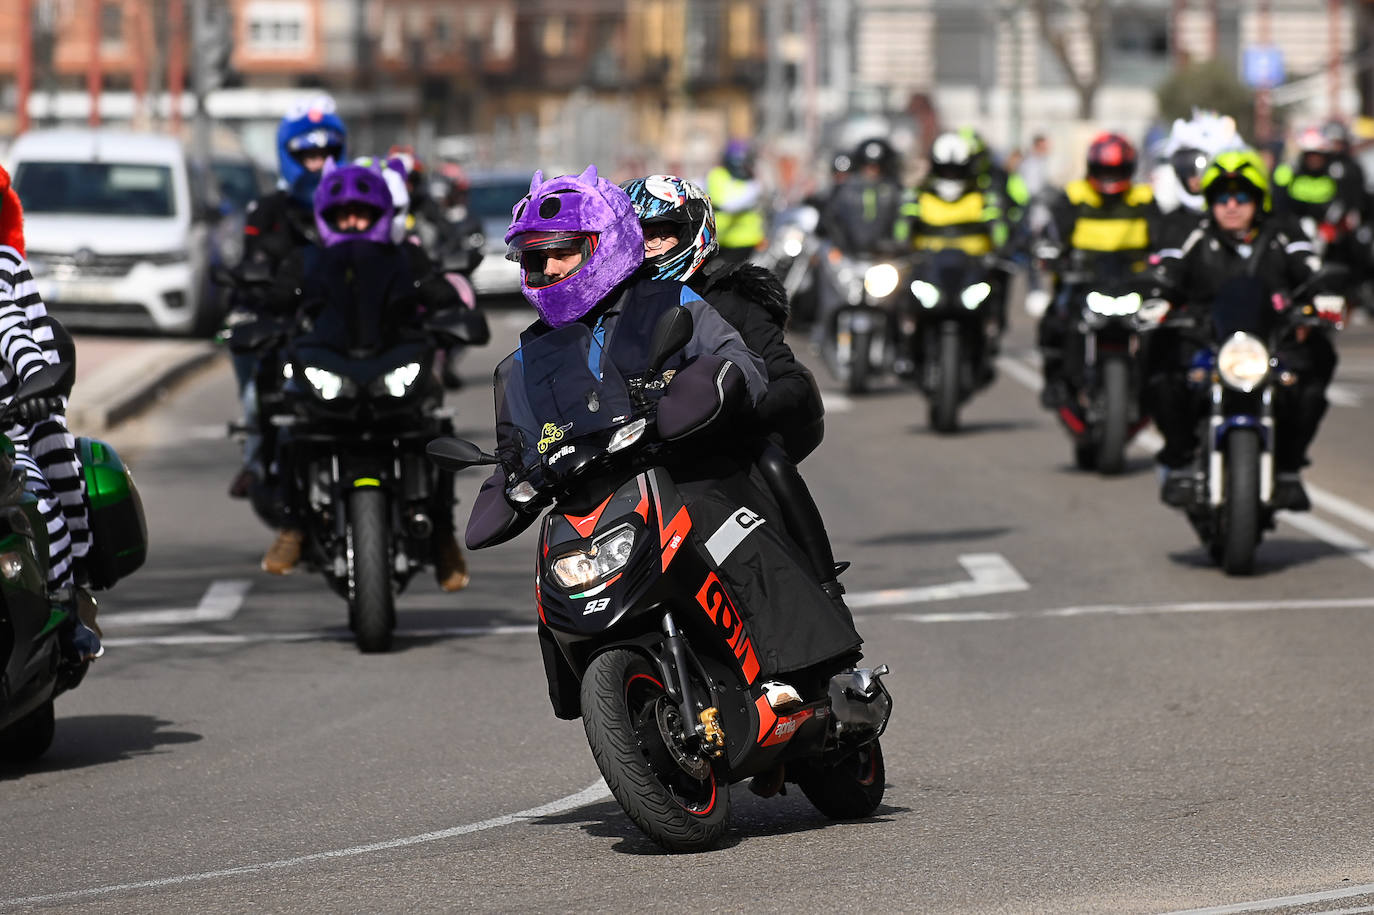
491 197
118 235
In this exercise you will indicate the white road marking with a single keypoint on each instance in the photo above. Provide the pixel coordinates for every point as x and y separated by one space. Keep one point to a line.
1281 902
990 572
309 635
1024 374
972 616
836 403
1239 606
1150 441
222 601
1342 395
206 432
589 795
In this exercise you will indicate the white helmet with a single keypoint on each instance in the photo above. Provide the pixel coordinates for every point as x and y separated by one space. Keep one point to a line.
1185 154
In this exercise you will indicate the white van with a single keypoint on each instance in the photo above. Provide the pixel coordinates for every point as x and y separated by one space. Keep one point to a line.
113 231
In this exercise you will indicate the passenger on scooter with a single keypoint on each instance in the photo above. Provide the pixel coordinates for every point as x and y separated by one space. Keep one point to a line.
278 228
1104 222
1239 237
31 339
680 244
364 286
580 248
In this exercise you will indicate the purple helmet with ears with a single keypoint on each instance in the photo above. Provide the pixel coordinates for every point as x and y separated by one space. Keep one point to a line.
585 214
360 185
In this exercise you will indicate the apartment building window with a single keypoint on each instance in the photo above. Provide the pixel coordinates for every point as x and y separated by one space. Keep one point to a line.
1136 49
111 25
275 28
963 47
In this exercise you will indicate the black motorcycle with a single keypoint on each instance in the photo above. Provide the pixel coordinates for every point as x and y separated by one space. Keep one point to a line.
1235 372
1102 413
641 625
352 428
950 323
32 670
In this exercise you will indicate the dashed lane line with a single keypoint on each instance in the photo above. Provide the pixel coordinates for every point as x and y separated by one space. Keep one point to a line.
589 795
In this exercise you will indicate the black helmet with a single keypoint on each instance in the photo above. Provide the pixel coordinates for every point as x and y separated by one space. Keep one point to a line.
877 151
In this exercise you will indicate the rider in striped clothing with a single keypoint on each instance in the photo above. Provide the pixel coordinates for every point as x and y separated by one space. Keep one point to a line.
30 339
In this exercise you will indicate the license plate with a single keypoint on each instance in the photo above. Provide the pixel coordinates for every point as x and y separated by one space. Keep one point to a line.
76 292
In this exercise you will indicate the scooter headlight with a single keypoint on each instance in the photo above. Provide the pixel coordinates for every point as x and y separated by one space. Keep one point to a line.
975 295
880 280
926 293
1243 362
606 556
398 380
327 384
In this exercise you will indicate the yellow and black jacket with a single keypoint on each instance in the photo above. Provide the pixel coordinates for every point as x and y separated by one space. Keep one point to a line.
1124 224
976 223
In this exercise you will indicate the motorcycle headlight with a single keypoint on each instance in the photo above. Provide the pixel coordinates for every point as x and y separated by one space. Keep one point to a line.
398 380
1108 305
880 280
327 384
975 295
925 293
1243 362
793 242
606 556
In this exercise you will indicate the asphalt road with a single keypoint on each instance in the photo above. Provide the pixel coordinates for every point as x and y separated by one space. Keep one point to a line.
1089 718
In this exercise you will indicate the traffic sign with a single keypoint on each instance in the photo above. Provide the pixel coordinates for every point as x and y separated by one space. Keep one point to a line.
1262 66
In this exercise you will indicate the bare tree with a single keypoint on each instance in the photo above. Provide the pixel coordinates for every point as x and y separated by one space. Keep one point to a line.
1049 19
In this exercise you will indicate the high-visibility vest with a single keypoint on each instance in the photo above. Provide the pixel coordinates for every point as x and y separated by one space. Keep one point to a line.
1113 226
967 223
744 229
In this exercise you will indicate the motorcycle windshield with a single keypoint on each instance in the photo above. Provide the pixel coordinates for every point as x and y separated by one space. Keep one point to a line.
1242 305
553 391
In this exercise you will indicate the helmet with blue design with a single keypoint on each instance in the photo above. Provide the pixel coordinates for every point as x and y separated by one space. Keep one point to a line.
677 204
311 127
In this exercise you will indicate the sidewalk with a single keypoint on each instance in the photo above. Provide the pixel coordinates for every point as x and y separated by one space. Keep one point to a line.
118 377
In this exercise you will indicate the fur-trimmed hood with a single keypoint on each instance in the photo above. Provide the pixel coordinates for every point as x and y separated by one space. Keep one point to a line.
748 281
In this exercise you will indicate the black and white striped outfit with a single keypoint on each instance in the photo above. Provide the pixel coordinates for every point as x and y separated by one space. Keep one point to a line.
47 450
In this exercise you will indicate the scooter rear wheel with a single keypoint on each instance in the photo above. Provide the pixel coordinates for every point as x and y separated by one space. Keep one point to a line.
624 709
849 789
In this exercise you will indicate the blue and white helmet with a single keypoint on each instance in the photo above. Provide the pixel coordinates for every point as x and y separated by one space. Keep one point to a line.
310 126
679 202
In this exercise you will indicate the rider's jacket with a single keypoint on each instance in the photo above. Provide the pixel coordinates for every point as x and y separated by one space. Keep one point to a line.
1120 224
975 223
1009 187
860 215
753 301
276 233
365 293
739 212
1276 251
1313 195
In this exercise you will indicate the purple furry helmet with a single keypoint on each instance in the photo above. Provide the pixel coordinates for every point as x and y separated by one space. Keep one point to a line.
585 213
353 185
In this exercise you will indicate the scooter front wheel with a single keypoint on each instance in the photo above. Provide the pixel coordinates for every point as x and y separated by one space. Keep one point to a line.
676 797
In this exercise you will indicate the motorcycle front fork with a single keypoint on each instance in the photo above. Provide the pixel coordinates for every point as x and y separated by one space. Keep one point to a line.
677 670
1215 455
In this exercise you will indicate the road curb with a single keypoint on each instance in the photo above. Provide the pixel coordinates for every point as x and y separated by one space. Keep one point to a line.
126 387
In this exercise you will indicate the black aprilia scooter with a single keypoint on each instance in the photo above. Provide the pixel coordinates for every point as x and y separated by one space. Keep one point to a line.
644 636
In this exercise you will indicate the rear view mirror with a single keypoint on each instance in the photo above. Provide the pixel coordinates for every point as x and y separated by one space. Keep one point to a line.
672 332
457 454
